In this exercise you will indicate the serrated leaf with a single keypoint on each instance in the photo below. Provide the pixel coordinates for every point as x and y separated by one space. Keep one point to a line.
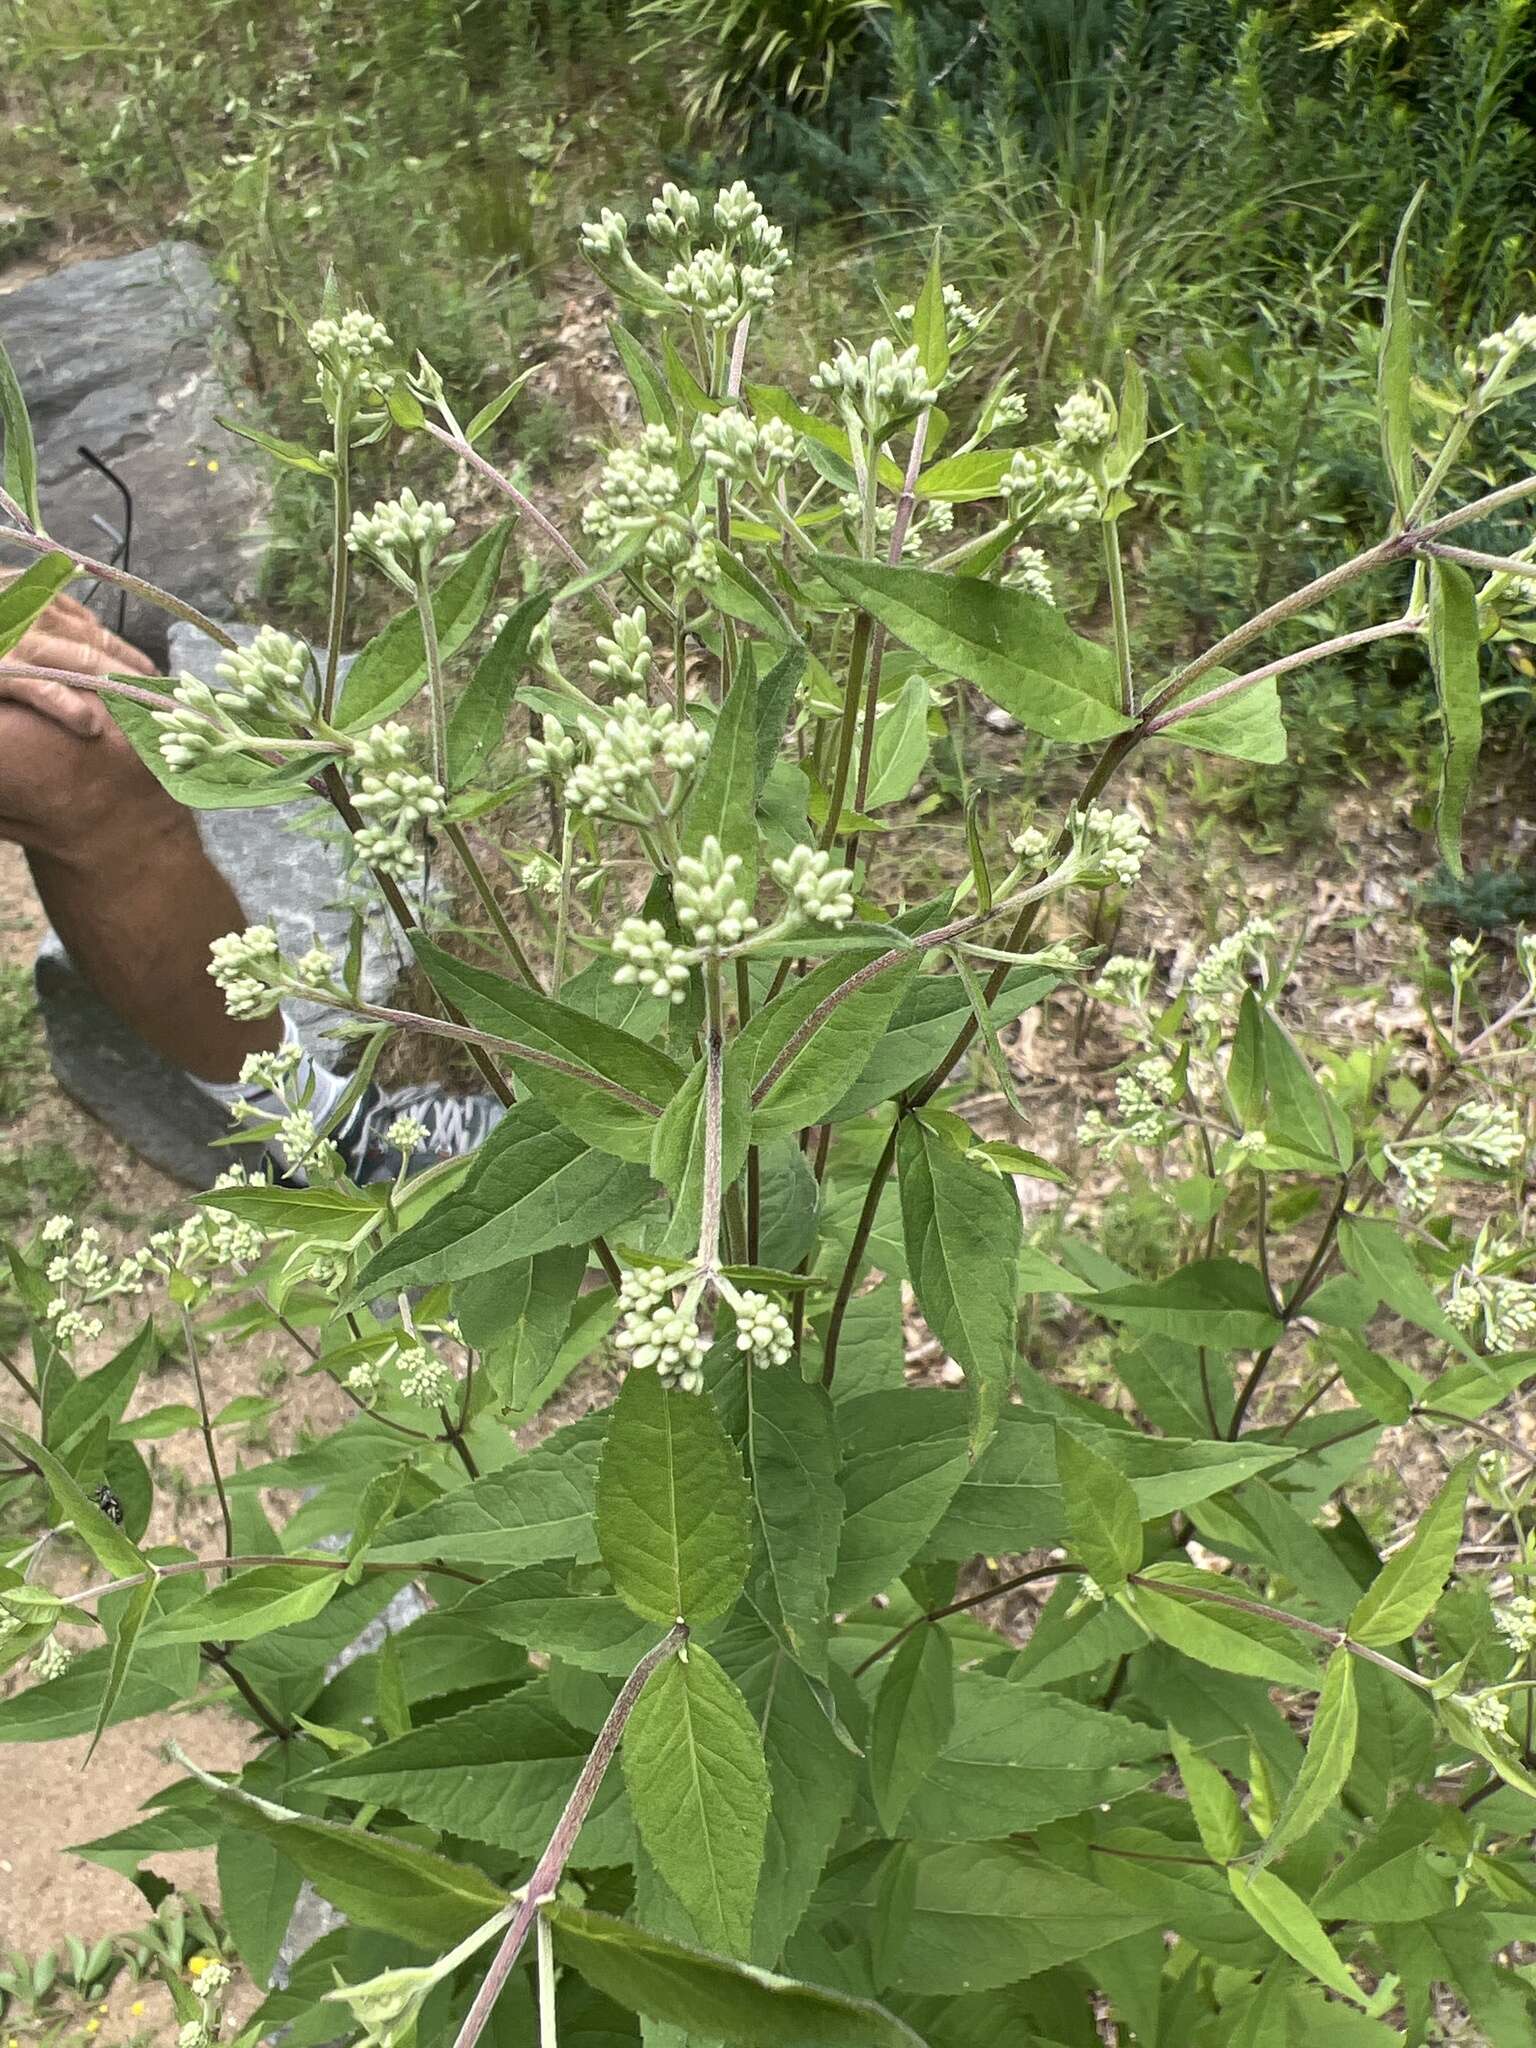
1211 1799
913 1715
1374 1251
1404 1592
252 1603
671 1505
1247 727
1015 648
712 1997
537 1607
1219 1303
1224 1637
534 1186
479 718
536 1508
125 1639
650 387
1103 1518
226 782
698 1788
722 804
797 1506
1292 1925
106 1542
834 1049
904 1453
1326 1766
962 1231
1394 371
1300 1115
393 666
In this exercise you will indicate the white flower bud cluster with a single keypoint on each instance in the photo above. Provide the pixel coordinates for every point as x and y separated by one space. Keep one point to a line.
51 1661
1490 1134
364 1381
348 352
265 680
401 534
1111 846
1487 1711
710 905
193 2034
270 677
624 750
674 215
936 518
1011 410
1490 1302
395 796
879 385
641 491
555 753
272 1070
1143 1098
1029 571
728 442
248 967
1506 344
625 659
1048 491
1515 1620
1125 978
1421 1169
407 1134
1525 958
1084 424
1222 972
655 1331
85 1277
1031 845
818 890
423 1377
605 238
717 282
304 1149
762 1329
649 960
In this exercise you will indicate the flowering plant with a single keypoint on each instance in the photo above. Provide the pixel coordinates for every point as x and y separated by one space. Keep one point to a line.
733 1066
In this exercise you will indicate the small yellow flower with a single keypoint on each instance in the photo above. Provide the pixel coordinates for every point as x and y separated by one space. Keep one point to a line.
197 1965
93 2026
213 467
136 2010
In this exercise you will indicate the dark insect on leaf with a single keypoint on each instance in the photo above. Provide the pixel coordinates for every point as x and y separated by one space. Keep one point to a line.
109 1503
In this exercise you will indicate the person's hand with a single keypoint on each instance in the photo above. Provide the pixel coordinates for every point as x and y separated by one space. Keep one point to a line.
67 636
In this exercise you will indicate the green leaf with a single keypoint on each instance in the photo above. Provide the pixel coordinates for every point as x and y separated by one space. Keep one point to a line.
650 387
904 1453
516 1317
962 1230
388 1885
775 705
537 1607
1247 727
500 1772
393 666
510 1009
1394 371
534 1185
319 1215
698 1788
1245 1066
1019 1758
20 457
1211 1799
1454 642
1224 1637
101 1536
723 800
791 1447
1392 1875
712 1997
228 782
1326 1766
1404 1592
252 1603
930 329
289 453
1374 1252
834 1050
1103 1518
1300 1116
479 718
679 1148
901 746
913 1716
125 1638
671 1505
1015 648
962 479
1219 1303
258 1887
986 1914
30 595
538 1507
1292 1925
924 1026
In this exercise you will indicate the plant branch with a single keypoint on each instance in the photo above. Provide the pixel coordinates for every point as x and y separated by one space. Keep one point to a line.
1323 650
525 505
1029 1578
189 1337
458 839
151 593
545 1880
1336 1638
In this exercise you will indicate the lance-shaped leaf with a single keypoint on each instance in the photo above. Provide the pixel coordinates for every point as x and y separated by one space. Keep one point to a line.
1453 642
962 1230
1103 1517
1394 371
698 1787
1326 1766
1292 1925
711 1997
1404 1592
914 1713
612 1086
393 666
805 1049
30 595
1219 1303
252 1603
671 1505
534 1185
1016 649
225 782
797 1505
479 718
126 1631
723 802
20 452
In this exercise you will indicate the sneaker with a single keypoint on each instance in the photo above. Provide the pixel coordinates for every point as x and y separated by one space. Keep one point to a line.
454 1125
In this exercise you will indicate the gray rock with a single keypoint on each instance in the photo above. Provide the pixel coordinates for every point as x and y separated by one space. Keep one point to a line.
125 354
288 866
